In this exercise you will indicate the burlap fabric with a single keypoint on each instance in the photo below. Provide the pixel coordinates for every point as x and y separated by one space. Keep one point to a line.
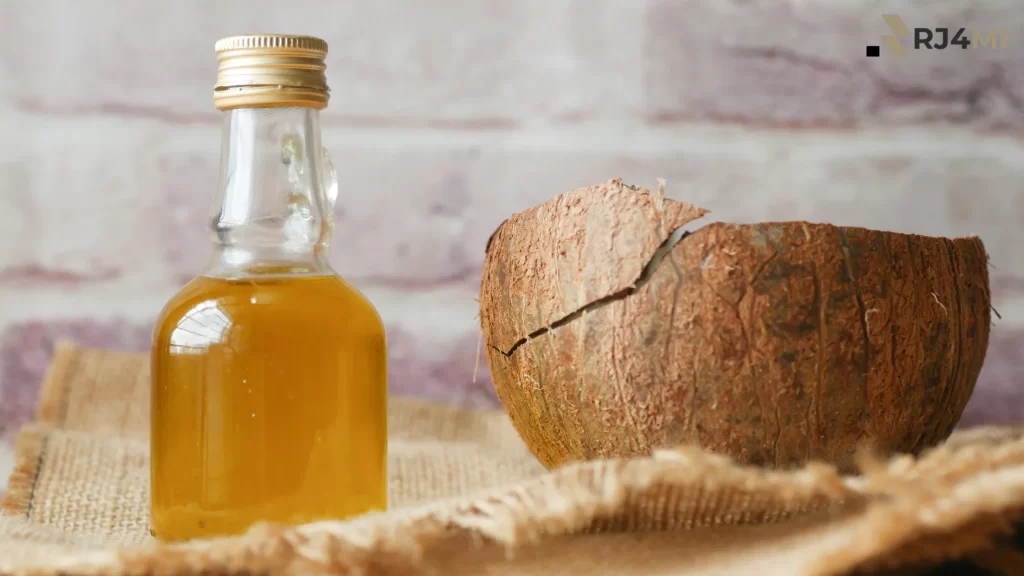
467 498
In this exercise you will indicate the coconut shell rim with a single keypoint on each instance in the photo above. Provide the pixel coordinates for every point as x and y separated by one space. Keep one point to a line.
766 223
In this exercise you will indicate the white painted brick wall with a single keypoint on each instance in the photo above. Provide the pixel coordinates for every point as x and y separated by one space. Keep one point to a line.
448 116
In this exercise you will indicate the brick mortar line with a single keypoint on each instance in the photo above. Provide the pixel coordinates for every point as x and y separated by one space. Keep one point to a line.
603 136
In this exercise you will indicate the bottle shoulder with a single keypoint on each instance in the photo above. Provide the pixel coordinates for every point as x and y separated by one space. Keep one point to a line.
280 303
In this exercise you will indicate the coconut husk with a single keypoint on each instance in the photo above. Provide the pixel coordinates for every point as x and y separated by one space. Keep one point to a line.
616 325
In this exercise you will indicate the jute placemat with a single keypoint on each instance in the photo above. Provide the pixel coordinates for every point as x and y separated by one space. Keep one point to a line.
468 498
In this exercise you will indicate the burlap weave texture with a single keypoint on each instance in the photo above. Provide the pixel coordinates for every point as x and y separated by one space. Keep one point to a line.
468 498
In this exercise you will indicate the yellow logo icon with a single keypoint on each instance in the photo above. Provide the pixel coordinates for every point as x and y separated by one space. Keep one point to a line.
899 30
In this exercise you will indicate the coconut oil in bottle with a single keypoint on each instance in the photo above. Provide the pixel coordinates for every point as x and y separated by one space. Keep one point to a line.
269 383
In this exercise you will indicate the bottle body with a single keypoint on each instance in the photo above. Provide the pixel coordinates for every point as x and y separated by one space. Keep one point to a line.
269 404
268 371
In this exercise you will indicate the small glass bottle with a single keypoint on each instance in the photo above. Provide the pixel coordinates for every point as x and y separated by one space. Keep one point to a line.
269 376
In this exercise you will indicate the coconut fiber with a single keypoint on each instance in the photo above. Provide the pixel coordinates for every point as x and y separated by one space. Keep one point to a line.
467 497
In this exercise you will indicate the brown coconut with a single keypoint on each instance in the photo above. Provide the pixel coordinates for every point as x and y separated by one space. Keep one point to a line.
611 332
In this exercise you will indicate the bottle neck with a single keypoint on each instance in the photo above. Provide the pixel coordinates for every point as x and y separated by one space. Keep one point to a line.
274 211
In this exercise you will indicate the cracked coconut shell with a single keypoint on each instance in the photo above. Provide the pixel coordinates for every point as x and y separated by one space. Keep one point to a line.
612 332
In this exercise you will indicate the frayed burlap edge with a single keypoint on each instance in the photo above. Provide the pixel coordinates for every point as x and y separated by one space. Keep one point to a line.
590 497
954 502
30 443
29 447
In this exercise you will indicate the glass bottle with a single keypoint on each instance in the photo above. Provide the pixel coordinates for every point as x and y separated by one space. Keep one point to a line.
269 377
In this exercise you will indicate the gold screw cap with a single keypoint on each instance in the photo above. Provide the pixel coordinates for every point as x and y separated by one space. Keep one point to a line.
270 70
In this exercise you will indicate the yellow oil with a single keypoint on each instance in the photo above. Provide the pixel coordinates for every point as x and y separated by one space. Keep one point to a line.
269 404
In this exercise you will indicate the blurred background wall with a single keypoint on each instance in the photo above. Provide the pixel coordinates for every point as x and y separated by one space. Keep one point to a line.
449 115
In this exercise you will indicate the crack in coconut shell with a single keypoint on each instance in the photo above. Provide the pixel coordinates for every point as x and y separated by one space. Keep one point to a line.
774 343
542 260
646 274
